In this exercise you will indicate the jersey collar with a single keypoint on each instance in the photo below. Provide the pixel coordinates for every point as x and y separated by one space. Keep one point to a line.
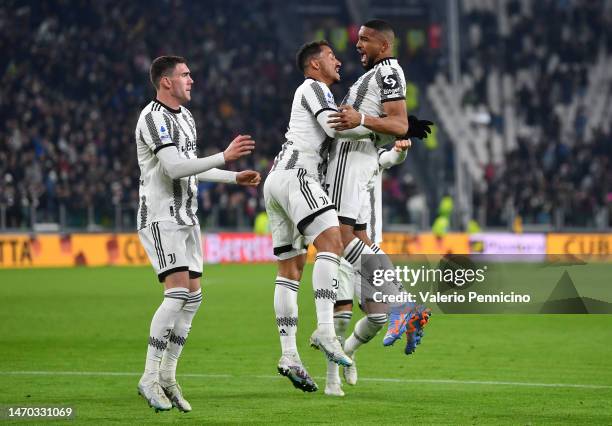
385 61
172 110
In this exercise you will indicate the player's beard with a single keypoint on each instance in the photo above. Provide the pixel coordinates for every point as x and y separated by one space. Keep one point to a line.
369 63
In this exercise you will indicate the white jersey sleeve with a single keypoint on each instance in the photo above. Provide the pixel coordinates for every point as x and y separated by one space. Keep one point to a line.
318 98
157 130
391 83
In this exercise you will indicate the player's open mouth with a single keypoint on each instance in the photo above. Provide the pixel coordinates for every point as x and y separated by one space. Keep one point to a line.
364 57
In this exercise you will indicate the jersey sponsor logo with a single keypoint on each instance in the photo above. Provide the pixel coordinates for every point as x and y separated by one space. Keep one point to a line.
189 146
391 92
389 82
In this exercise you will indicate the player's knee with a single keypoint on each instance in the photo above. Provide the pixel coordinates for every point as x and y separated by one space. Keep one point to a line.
292 268
346 234
329 241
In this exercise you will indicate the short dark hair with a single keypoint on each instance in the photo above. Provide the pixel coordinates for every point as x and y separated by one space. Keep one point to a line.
307 51
162 67
381 26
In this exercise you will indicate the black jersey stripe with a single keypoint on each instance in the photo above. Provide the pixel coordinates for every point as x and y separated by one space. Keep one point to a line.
152 129
177 193
292 160
362 90
318 91
188 208
304 103
143 212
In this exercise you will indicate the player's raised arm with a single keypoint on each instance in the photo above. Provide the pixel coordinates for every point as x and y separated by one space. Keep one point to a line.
395 155
177 167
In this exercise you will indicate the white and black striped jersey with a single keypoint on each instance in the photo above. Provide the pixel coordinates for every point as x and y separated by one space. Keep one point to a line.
163 198
307 143
383 83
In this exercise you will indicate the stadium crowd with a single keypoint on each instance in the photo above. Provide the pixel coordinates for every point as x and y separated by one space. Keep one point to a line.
553 176
75 80
77 77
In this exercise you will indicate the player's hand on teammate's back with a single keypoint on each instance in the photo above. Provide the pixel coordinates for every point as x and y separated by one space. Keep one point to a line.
418 128
248 178
346 118
402 145
241 145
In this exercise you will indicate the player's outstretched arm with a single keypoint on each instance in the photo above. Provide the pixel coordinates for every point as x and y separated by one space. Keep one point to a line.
396 155
177 167
244 178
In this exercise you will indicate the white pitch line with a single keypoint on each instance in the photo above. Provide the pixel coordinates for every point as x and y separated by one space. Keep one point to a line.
365 379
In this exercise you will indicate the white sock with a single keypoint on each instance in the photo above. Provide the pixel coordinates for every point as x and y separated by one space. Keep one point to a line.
161 327
365 330
342 319
325 286
286 310
178 337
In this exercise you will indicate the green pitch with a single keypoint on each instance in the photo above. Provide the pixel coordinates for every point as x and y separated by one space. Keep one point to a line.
77 337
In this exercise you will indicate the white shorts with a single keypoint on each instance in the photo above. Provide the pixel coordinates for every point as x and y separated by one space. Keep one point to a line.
298 211
350 176
370 215
173 248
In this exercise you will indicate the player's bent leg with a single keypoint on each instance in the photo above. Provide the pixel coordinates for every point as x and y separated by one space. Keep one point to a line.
328 243
290 268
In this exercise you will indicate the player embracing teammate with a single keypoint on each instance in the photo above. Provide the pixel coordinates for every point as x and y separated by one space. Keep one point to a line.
373 110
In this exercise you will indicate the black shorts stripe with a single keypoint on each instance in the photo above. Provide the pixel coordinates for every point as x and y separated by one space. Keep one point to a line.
305 190
308 219
308 190
161 259
361 226
344 302
339 177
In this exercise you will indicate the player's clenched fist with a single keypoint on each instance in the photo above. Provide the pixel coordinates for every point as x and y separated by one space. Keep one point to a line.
402 145
242 145
248 178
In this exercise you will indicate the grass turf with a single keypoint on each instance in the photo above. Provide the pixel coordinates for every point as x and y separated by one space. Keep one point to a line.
74 321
